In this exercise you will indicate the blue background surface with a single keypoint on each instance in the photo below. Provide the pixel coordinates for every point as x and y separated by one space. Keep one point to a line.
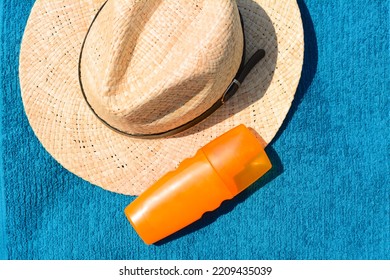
327 197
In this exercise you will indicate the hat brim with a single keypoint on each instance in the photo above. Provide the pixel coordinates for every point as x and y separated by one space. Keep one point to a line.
70 132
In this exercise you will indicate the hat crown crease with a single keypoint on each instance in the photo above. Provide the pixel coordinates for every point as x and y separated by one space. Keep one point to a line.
150 66
122 48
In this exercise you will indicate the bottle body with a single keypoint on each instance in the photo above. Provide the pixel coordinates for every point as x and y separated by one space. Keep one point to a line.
217 172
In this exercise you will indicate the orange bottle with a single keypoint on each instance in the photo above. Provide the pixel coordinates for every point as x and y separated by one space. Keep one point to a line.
218 171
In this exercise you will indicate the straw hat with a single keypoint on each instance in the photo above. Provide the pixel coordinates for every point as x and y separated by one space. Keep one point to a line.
92 69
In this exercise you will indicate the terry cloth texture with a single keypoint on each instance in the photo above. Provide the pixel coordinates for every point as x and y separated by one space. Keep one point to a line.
3 241
327 196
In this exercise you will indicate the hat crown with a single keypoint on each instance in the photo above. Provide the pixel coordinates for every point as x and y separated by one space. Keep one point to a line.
149 66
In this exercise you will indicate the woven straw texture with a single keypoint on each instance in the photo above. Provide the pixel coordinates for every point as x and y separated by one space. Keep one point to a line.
152 66
72 134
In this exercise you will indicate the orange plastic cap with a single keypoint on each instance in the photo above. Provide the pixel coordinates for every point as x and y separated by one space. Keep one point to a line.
238 157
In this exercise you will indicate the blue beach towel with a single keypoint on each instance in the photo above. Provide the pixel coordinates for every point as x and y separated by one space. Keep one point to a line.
327 196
